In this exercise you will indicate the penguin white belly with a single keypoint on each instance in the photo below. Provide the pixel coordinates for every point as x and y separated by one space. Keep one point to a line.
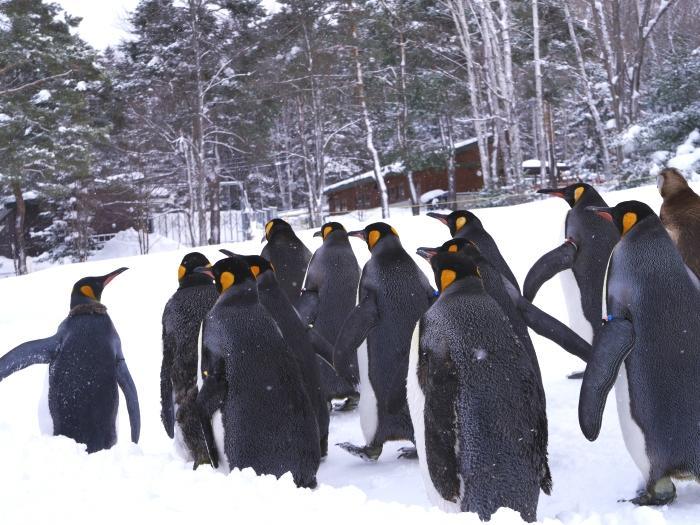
416 407
180 446
368 400
45 419
572 296
217 426
631 433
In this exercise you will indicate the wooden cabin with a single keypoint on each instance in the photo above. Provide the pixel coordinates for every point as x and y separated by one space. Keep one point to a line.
360 192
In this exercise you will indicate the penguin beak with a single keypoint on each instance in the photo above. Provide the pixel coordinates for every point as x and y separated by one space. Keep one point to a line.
439 216
227 253
554 192
264 238
426 253
602 211
205 271
318 234
360 234
108 278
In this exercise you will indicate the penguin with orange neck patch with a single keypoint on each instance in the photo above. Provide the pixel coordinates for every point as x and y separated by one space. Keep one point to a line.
466 225
251 376
479 419
581 260
648 349
86 368
182 319
295 334
392 296
288 254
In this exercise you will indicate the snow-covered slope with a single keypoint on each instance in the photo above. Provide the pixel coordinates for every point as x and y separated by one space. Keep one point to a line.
51 479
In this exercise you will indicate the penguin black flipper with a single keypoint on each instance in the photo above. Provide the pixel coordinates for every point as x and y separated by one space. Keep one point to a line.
355 329
547 266
167 405
440 444
307 305
321 345
126 383
39 351
612 345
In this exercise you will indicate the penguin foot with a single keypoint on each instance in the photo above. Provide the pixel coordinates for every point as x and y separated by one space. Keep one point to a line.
408 453
366 453
349 404
575 375
662 492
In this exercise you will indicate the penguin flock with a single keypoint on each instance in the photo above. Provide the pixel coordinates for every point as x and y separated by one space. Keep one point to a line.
257 350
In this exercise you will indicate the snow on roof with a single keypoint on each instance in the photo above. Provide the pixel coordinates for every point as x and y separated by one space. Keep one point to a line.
468 142
535 163
393 168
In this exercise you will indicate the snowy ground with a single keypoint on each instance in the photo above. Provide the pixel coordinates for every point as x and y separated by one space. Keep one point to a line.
51 478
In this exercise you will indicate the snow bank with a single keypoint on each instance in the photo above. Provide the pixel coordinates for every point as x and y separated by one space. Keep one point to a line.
687 159
51 479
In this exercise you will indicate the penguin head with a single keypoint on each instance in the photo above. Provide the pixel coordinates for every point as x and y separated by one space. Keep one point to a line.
186 274
456 220
229 273
455 245
625 215
89 289
329 228
274 227
450 267
670 182
375 233
572 194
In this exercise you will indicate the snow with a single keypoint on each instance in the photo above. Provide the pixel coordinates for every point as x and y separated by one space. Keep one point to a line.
687 157
395 167
42 96
535 164
51 479
81 86
428 196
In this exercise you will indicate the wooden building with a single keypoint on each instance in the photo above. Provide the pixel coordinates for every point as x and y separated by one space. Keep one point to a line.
360 192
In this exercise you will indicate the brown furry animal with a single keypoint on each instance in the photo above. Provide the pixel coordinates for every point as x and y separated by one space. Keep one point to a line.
680 214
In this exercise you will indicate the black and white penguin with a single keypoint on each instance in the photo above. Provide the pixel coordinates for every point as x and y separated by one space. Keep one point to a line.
480 421
295 334
330 293
182 321
330 286
648 348
466 225
251 375
86 365
393 294
520 312
288 254
581 259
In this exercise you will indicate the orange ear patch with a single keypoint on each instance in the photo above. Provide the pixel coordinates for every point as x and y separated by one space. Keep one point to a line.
256 270
578 192
452 248
447 277
629 219
268 227
227 279
393 230
373 237
327 230
87 291
181 271
460 222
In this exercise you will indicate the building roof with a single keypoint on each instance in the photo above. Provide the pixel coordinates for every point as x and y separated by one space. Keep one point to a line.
395 168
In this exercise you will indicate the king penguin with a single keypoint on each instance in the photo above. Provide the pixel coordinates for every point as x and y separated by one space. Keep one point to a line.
393 294
648 348
295 334
182 321
680 214
288 254
479 417
466 225
582 259
86 366
251 375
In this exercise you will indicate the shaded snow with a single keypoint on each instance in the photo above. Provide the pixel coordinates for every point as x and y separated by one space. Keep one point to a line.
51 479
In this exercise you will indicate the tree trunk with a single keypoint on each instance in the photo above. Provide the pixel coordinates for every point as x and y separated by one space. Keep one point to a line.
403 127
20 217
551 154
541 153
449 148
